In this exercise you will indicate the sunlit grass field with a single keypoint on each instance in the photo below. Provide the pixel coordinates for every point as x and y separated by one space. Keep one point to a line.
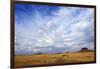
47 59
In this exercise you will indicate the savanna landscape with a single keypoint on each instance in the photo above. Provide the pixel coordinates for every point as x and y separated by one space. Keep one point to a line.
53 35
50 59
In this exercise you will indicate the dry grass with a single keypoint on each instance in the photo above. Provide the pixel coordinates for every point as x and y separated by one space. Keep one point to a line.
46 59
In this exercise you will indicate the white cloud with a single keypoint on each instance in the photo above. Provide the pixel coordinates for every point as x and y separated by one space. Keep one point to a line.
67 30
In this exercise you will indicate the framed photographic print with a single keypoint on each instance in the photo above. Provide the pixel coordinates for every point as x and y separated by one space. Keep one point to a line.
50 34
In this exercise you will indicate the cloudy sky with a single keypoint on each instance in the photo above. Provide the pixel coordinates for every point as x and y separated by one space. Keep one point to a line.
52 29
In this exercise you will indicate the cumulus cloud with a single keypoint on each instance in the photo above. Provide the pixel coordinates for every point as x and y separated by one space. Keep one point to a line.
55 29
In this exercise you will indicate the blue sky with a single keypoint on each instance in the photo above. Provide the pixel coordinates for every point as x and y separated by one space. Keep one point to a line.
52 29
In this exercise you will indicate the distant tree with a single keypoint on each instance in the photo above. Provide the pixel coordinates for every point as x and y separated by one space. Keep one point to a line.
85 50
58 53
39 53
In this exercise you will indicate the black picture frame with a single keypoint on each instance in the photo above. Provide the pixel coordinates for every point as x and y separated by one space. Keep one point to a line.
46 3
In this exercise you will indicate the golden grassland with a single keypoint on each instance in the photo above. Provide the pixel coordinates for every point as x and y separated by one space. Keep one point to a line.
47 59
